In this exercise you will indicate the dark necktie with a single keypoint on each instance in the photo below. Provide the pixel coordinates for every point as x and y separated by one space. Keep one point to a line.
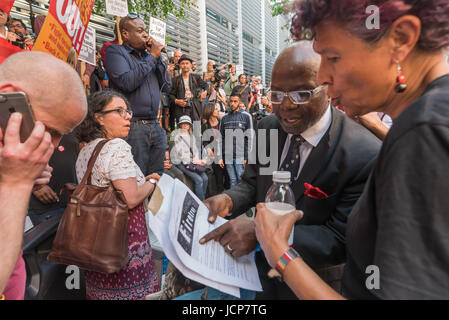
293 159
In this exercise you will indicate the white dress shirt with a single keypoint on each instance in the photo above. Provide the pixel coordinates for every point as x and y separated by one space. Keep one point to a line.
312 137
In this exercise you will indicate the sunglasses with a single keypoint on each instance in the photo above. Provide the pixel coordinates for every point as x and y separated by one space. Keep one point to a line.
133 15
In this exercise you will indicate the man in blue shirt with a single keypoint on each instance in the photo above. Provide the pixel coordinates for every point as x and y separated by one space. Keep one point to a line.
136 70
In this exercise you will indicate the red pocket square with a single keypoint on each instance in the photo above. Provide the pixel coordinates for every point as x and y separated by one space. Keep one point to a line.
314 192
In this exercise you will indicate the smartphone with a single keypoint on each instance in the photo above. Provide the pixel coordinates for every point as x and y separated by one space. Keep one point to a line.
11 102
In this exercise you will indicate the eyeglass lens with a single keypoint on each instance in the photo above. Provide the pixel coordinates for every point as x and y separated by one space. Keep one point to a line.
296 96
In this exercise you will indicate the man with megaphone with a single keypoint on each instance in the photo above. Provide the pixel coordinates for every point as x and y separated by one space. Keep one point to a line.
136 69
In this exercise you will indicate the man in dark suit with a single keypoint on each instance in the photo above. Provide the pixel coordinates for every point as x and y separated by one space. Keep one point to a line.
321 147
187 90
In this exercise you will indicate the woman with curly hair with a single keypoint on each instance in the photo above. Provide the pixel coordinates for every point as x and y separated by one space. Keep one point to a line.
397 233
109 118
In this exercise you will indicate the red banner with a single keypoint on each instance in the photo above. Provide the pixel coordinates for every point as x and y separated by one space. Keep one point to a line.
7 49
64 27
6 5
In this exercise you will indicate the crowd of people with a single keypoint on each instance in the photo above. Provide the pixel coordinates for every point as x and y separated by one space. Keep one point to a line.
372 147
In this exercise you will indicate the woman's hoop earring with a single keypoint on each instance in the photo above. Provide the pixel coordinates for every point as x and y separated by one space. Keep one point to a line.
401 86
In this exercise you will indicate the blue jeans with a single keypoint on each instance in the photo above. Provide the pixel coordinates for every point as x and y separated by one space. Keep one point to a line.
39 218
235 171
199 181
148 143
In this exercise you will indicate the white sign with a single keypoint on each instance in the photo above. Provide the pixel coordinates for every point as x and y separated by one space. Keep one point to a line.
117 7
158 30
239 69
88 50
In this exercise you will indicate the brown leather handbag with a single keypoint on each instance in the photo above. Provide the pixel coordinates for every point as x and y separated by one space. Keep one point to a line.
93 232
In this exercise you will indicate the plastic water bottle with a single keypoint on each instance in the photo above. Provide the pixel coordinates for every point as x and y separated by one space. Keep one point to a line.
280 198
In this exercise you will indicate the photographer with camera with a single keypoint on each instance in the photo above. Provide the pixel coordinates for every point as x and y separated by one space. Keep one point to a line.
187 91
23 40
218 97
231 80
208 76
213 71
173 67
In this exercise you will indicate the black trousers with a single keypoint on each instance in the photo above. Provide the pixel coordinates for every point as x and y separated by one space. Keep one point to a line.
216 180
172 116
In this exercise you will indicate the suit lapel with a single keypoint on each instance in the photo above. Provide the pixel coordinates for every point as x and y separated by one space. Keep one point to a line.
317 158
182 89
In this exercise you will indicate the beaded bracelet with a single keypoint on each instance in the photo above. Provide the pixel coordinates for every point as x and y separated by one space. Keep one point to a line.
288 256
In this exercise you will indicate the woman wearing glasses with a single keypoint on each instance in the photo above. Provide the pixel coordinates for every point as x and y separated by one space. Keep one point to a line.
109 118
397 244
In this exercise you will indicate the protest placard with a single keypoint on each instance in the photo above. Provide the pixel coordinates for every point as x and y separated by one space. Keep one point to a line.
88 50
117 7
158 30
64 27
239 69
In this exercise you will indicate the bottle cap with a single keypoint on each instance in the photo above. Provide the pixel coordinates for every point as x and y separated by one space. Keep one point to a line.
282 176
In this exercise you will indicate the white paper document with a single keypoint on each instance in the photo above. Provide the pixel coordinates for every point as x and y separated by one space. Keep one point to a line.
179 220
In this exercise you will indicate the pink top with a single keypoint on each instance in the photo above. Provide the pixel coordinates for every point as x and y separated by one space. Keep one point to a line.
15 288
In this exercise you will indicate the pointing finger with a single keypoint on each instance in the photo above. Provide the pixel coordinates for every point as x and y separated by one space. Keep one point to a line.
215 234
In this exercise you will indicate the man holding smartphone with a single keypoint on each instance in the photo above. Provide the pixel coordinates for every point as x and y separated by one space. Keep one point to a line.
58 107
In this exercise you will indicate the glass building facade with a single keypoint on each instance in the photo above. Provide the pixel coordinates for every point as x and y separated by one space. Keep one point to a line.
254 43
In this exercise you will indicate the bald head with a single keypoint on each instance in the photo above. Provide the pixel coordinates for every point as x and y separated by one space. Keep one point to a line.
297 57
54 89
296 69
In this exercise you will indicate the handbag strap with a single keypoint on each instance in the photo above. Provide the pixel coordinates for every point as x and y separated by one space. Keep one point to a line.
90 165
186 143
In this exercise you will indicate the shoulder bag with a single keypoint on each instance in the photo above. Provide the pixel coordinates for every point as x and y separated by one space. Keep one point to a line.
93 232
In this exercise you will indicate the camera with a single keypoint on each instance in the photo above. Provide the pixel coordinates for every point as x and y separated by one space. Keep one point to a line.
218 76
176 65
259 115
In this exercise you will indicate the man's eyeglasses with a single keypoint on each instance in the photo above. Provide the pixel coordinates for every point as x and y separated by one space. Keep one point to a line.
133 15
297 97
121 111
17 25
